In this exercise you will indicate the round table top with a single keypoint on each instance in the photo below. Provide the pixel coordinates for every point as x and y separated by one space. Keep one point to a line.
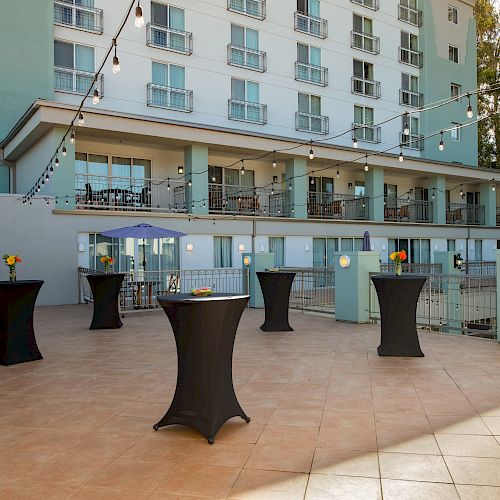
404 276
20 282
188 298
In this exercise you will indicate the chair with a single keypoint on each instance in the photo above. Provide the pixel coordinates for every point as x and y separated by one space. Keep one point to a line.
145 197
337 209
88 193
174 284
404 212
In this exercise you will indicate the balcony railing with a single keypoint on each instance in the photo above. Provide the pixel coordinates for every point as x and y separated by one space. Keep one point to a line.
162 37
411 57
410 15
413 141
310 73
365 42
78 16
75 81
247 200
307 122
369 4
247 111
367 133
246 58
465 214
368 88
312 25
336 206
252 8
404 210
101 192
170 98
411 98
498 216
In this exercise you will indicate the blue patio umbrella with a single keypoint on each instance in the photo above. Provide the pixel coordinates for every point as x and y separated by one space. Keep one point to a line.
366 242
142 231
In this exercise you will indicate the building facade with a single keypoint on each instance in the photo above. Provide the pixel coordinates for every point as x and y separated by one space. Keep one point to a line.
208 128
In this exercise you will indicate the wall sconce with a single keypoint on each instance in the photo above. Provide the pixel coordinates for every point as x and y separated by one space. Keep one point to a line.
247 260
189 247
275 178
349 186
241 247
81 246
372 247
344 261
307 248
180 169
457 261
262 248
384 248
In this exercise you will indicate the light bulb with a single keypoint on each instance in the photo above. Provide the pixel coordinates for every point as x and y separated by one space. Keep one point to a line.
96 98
64 151
470 113
139 18
72 137
312 181
493 187
242 171
290 186
116 65
190 183
366 167
441 142
81 120
311 154
355 143
274 163
66 202
406 130
401 157
338 174
57 162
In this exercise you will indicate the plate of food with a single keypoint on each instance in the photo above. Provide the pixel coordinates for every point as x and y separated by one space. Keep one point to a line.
202 292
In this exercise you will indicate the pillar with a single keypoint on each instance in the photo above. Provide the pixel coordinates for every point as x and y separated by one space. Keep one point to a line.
374 189
259 262
452 293
498 292
63 182
488 199
437 187
196 170
296 173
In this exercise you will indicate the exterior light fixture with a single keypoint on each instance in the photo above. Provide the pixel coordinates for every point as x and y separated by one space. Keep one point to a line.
96 99
470 112
458 261
139 18
441 142
247 260
81 120
311 152
180 169
344 261
189 247
116 61
241 247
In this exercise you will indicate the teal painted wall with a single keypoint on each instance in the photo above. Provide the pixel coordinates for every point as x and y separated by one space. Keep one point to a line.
436 76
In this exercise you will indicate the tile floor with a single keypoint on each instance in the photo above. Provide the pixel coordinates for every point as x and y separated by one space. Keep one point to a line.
330 419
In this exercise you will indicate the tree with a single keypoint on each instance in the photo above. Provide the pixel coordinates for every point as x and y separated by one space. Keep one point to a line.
488 74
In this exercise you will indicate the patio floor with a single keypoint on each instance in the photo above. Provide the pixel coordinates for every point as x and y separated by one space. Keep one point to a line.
330 419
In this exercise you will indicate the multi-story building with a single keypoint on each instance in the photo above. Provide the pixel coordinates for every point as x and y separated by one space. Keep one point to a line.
207 128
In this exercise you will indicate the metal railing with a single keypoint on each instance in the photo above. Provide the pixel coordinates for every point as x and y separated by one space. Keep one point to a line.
402 210
365 41
75 81
413 268
100 192
162 37
411 98
247 200
310 73
245 57
482 267
140 289
410 15
308 122
312 25
462 303
252 8
160 96
369 4
78 16
411 57
336 206
465 214
412 141
367 133
313 289
246 111
368 88
498 216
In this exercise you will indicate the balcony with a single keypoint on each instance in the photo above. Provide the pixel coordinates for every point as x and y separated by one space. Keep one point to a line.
246 111
413 141
365 42
252 8
410 15
369 4
165 38
99 192
411 57
75 81
78 16
244 57
368 88
366 133
498 216
170 98
315 26
310 73
247 200
307 122
404 210
336 206
411 98
465 214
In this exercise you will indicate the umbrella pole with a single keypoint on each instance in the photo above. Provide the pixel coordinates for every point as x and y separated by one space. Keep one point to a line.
144 254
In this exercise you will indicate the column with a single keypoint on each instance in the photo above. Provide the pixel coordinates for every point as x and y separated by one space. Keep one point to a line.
498 292
63 182
196 171
488 199
374 189
452 294
255 262
437 187
296 173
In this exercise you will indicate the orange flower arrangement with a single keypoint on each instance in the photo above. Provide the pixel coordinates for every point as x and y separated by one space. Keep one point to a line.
398 258
108 263
11 261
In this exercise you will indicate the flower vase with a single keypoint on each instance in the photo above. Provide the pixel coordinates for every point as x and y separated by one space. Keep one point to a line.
12 275
399 269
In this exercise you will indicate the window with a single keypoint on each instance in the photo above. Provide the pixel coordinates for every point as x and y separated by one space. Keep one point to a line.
277 246
409 82
418 250
310 104
229 191
167 29
308 55
243 90
361 24
455 132
223 251
362 69
409 41
455 90
413 140
451 245
244 103
309 7
78 13
359 188
167 16
169 75
309 116
168 87
410 95
365 117
308 65
409 53
362 35
452 14
245 38
324 250
74 67
478 250
453 53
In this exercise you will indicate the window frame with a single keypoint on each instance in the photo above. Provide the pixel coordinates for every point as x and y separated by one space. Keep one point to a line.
453 49
454 11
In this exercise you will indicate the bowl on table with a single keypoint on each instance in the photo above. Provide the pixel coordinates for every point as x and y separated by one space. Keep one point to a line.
202 292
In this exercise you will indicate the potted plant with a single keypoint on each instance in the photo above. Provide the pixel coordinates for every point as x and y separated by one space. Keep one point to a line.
11 261
398 258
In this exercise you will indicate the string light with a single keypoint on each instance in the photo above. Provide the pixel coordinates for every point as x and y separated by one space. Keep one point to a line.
72 137
96 99
311 152
406 127
64 150
189 182
401 157
242 171
366 164
81 121
441 142
433 193
168 184
116 61
51 169
355 143
57 162
66 202
272 188
461 192
290 186
493 186
338 173
470 112
139 18
274 159
213 178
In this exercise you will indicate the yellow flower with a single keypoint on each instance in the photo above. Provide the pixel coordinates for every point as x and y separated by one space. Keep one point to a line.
11 260
393 255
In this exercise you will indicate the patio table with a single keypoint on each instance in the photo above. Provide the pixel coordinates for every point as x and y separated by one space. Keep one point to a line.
276 290
204 330
105 291
398 296
17 337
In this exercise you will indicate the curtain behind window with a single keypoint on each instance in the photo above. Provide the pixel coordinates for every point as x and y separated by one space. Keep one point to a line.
223 251
84 58
160 74
120 167
319 252
252 39
237 35
176 20
63 54
159 14
237 89
177 77
277 246
332 247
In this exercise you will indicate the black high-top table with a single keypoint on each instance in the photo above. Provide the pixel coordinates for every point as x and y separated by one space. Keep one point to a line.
276 291
17 337
204 330
105 291
398 297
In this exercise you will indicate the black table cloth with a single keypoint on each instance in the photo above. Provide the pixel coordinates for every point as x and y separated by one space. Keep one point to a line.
17 337
204 330
105 291
398 296
276 291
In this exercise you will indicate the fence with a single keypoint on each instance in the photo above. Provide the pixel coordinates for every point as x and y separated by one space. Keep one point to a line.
488 268
422 268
